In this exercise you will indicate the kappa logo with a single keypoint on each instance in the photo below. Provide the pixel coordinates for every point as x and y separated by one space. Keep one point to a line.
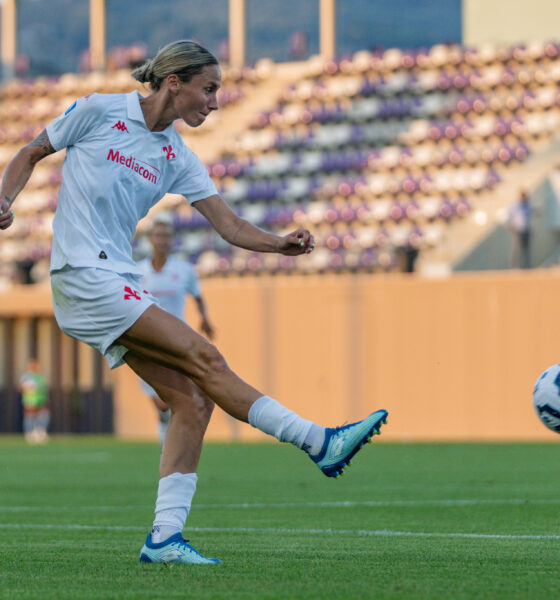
129 293
169 152
120 126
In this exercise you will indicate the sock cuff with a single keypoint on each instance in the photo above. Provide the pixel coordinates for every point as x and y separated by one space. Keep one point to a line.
284 424
256 410
176 491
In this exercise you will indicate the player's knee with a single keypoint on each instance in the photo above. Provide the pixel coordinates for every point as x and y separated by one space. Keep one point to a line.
214 364
195 409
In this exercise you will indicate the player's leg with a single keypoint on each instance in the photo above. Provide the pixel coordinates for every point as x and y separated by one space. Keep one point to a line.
168 341
190 413
515 250
525 250
43 419
29 416
163 411
164 414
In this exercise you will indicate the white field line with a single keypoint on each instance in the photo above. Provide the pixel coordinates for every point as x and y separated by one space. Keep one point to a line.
277 530
66 457
332 504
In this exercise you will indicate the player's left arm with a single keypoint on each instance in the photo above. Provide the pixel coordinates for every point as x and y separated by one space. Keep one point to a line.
205 325
18 172
239 232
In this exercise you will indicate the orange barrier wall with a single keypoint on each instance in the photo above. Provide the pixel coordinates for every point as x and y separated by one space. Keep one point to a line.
450 359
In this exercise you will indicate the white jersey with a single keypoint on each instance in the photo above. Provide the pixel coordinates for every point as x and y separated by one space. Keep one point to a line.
115 170
171 285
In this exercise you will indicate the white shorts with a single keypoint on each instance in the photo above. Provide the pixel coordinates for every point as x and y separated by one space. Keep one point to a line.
97 306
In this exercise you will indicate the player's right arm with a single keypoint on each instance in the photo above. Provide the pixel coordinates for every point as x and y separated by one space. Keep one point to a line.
18 172
72 126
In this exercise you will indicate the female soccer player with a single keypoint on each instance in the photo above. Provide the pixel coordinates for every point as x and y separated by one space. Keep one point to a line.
170 280
122 156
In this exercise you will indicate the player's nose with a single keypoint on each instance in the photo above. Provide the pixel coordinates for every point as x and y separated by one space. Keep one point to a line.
213 102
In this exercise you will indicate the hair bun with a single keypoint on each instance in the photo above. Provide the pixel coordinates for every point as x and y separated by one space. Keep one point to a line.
144 73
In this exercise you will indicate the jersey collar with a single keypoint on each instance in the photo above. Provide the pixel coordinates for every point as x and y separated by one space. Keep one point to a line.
133 107
134 110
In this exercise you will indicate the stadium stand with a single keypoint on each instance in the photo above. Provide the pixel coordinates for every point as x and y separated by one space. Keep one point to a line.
378 153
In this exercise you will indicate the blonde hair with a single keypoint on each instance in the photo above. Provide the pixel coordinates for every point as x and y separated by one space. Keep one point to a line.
184 58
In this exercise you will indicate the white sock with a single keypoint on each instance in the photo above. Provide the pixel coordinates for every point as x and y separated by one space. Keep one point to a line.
285 425
175 493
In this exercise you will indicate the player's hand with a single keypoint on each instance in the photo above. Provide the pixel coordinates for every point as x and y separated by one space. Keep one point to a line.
298 242
6 215
207 329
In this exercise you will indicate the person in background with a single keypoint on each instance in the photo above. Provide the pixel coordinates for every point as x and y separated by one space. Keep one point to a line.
34 397
170 280
519 224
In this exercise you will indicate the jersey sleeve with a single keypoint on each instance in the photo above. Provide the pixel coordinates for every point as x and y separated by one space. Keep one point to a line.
192 180
76 121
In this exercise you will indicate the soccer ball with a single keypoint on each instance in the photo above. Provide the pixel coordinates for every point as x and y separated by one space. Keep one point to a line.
546 398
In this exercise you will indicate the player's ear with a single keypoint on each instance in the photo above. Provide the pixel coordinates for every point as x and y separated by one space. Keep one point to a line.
173 82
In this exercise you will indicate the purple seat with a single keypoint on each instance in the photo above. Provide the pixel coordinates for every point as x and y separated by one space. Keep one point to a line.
446 209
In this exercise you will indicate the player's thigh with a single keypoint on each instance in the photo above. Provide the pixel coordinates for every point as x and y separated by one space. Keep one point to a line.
159 336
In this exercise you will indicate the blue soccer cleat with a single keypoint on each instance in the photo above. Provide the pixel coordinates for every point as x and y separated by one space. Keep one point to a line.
173 550
341 443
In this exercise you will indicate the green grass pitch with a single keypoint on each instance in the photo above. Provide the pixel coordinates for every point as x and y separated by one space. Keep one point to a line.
406 521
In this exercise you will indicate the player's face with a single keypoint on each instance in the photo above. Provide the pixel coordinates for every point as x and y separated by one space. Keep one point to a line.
162 239
197 98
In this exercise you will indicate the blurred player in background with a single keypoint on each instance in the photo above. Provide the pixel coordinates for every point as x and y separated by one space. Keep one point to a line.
170 279
34 397
123 154
519 223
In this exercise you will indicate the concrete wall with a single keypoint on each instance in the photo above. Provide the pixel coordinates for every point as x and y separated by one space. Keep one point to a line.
510 21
